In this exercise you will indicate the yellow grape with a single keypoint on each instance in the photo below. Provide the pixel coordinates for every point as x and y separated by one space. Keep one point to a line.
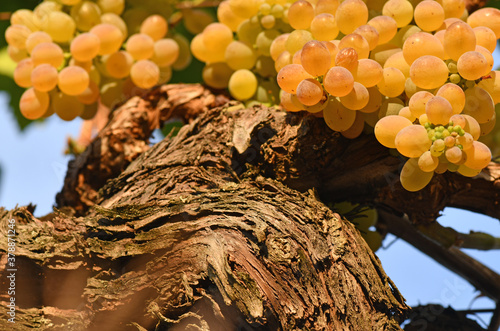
388 127
489 17
370 34
25 17
487 55
110 38
350 14
85 65
412 177
22 73
287 103
85 47
429 15
184 57
458 39
440 36
458 120
111 6
323 27
36 38
200 52
338 117
382 52
16 35
309 92
454 94
472 65
165 75
86 14
248 31
485 37
369 72
453 8
264 41
245 8
489 126
478 156
326 6
357 98
34 104
468 172
413 141
427 162
438 110
140 46
217 74
374 101
73 80
338 81
479 104
16 54
454 155
491 83
278 46
290 76
300 14
166 52
392 83
43 9
404 33
429 72
44 77
90 95
386 27
400 10
420 44
47 53
145 74
357 42
347 58
333 49
297 39
115 20
418 102
118 64
195 20
216 37
227 17
60 26
67 107
390 106
112 93
472 126
242 84
356 128
282 60
315 58
398 61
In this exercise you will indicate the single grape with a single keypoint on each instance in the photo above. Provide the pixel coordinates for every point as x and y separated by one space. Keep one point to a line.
16 54
242 84
166 52
338 81
386 27
420 44
326 7
479 104
357 98
297 39
140 46
454 94
400 10
22 73
458 39
300 14
67 107
350 14
217 74
472 126
485 37
36 38
438 110
49 53
338 117
86 15
412 177
111 6
119 64
290 76
44 77
413 141
145 74
489 17
429 72
392 83
418 102
347 58
16 35
472 65
323 27
245 8
427 162
34 104
115 20
478 156
453 8
429 15
73 80
110 38
216 37
85 47
369 72
309 92
370 34
315 58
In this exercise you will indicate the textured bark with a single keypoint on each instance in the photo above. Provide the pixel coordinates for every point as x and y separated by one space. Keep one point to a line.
187 237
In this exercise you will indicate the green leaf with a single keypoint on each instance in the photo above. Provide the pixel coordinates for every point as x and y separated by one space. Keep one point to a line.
172 128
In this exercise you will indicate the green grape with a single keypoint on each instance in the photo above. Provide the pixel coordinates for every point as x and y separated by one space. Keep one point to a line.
44 77
429 72
485 37
455 78
386 27
115 20
242 84
309 92
300 15
392 83
86 15
67 107
337 117
118 64
429 15
33 104
49 53
350 14
478 156
472 65
489 17
140 46
438 110
369 72
264 41
16 35
400 10
22 73
73 80
110 38
145 74
226 16
154 26
458 39
290 76
315 58
479 104
85 47
217 74
357 42
412 177
323 27
427 162
248 32
412 141
36 38
357 98
296 40
388 127
421 44
338 81
112 6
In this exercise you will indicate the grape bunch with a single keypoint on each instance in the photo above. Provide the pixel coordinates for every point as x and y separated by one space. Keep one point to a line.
420 73
73 55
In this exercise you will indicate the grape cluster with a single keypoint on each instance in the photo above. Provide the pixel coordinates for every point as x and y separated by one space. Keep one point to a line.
70 55
419 72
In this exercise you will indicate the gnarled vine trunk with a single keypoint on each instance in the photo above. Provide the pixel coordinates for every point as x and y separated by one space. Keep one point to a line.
222 227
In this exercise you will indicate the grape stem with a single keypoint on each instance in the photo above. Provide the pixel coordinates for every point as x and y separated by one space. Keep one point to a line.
5 16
